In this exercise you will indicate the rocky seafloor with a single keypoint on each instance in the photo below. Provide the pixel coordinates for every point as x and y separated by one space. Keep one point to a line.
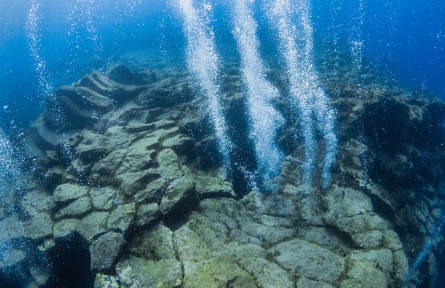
128 190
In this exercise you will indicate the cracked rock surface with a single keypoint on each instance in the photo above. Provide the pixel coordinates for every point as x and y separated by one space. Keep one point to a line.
142 185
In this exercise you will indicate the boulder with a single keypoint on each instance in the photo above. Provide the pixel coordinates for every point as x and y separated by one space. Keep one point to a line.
103 198
104 250
93 225
311 260
180 194
65 227
147 214
77 208
154 244
66 193
147 273
122 218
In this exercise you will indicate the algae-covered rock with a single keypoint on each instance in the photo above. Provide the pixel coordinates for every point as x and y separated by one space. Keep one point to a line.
143 183
208 187
307 283
169 167
39 227
105 281
148 273
216 272
134 182
65 227
66 193
153 192
180 193
122 218
103 198
11 258
105 249
154 244
266 273
311 260
93 225
147 214
77 208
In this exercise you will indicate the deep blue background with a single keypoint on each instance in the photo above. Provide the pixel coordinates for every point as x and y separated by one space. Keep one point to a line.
404 40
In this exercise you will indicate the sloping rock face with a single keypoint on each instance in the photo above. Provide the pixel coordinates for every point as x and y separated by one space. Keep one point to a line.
136 177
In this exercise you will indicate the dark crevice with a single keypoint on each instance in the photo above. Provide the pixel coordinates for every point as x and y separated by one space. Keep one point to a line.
71 261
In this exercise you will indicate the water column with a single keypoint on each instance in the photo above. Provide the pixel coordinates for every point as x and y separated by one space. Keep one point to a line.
307 98
33 40
10 177
81 15
355 40
203 63
264 118
127 7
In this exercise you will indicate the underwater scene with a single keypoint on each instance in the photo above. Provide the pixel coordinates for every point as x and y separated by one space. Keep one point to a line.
222 143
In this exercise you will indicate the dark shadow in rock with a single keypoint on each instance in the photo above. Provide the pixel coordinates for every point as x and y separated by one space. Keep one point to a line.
71 260
179 217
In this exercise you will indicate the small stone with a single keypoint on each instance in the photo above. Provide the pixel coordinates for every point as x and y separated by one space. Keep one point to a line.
346 202
140 127
127 277
47 245
271 235
134 182
364 274
266 273
164 124
36 202
105 281
189 246
381 259
392 240
401 265
103 172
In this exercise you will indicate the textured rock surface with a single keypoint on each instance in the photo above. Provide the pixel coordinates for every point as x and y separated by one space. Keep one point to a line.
105 249
142 184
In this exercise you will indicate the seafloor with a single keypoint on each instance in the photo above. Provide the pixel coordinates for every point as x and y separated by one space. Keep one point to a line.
128 190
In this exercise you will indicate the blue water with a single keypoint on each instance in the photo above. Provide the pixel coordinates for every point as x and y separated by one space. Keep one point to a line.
48 43
403 39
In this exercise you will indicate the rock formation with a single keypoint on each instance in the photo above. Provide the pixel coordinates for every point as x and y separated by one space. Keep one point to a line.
126 162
